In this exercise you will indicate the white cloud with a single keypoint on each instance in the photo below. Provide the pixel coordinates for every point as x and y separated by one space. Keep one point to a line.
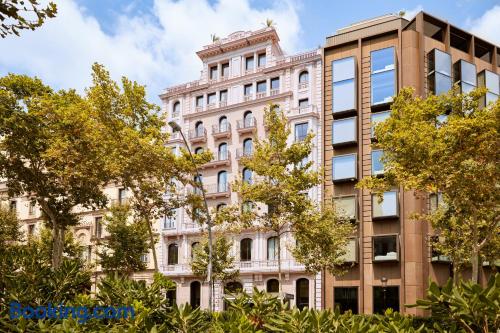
487 26
410 13
157 49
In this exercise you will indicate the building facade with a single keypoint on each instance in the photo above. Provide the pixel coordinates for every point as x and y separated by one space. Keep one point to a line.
365 64
223 112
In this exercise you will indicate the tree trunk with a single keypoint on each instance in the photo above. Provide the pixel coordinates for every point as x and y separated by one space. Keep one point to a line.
475 265
57 245
152 243
279 266
456 274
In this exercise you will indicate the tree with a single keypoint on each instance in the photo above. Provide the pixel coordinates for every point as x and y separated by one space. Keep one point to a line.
270 23
18 15
127 242
9 228
53 150
449 145
281 179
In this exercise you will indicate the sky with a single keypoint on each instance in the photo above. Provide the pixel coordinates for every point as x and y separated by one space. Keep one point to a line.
154 41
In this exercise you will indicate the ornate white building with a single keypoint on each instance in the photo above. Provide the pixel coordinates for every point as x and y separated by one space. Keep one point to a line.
222 112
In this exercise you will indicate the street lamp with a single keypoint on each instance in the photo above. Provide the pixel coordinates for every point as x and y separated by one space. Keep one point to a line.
176 128
383 279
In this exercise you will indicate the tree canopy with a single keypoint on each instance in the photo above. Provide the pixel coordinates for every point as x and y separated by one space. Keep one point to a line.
16 15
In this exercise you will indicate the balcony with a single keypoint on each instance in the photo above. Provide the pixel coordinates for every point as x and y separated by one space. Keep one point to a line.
222 103
211 106
260 95
309 110
221 132
269 265
198 136
240 152
175 137
246 126
214 191
177 269
274 92
221 159
247 98
303 85
198 108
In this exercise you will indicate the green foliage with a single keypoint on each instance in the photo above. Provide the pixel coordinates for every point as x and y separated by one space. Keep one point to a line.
9 228
127 241
18 15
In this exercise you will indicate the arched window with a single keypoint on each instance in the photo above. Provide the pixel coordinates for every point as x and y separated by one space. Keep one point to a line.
195 297
302 293
223 127
246 249
247 176
232 288
247 147
199 130
198 180
272 286
272 248
173 254
221 206
176 110
304 77
222 181
171 295
223 151
198 150
194 246
248 119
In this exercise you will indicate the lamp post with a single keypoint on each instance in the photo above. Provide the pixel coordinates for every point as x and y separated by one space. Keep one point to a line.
176 128
383 279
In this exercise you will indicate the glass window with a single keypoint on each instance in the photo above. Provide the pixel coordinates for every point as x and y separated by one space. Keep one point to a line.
439 78
223 96
225 69
248 120
198 150
199 101
122 196
385 248
261 86
439 83
247 147
275 83
388 207
213 72
303 103
169 221
382 60
344 130
272 286
199 129
223 124
211 98
246 249
377 164
98 226
176 109
247 89
304 77
222 181
249 63
346 298
344 167
351 254
247 176
302 293
171 296
272 248
346 206
301 131
343 84
262 60
195 296
384 298
435 200
173 254
377 118
468 72
223 151
491 81
383 75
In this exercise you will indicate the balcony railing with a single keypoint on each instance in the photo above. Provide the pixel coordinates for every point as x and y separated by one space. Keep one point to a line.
269 265
198 108
222 103
303 85
240 152
211 106
247 125
223 131
248 97
198 135
310 109
218 190
274 92
261 94
220 159
175 136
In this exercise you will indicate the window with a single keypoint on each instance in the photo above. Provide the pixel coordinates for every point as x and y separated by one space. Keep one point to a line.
303 103
377 118
223 152
248 120
194 247
344 167
344 131
169 221
261 60
176 110
173 254
211 98
436 255
302 293
13 206
31 208
223 96
222 182
304 77
98 226
439 78
225 70
231 289
246 249
144 258
344 85
261 87
384 298
385 248
301 131
223 124
388 207
31 230
272 248
272 286
195 294
199 129
199 101
346 206
213 73
247 89
383 77
221 206
171 296
247 147
346 298
377 164
491 81
351 254
275 83
249 63
435 200
465 74
198 150
122 196
247 176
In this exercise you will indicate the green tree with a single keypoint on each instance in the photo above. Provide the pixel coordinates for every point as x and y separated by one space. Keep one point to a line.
127 242
18 15
447 144
10 232
282 177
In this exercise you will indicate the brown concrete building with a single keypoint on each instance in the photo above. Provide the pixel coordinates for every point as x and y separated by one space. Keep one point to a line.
365 64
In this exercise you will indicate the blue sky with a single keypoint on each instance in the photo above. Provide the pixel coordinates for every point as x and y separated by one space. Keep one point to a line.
153 41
